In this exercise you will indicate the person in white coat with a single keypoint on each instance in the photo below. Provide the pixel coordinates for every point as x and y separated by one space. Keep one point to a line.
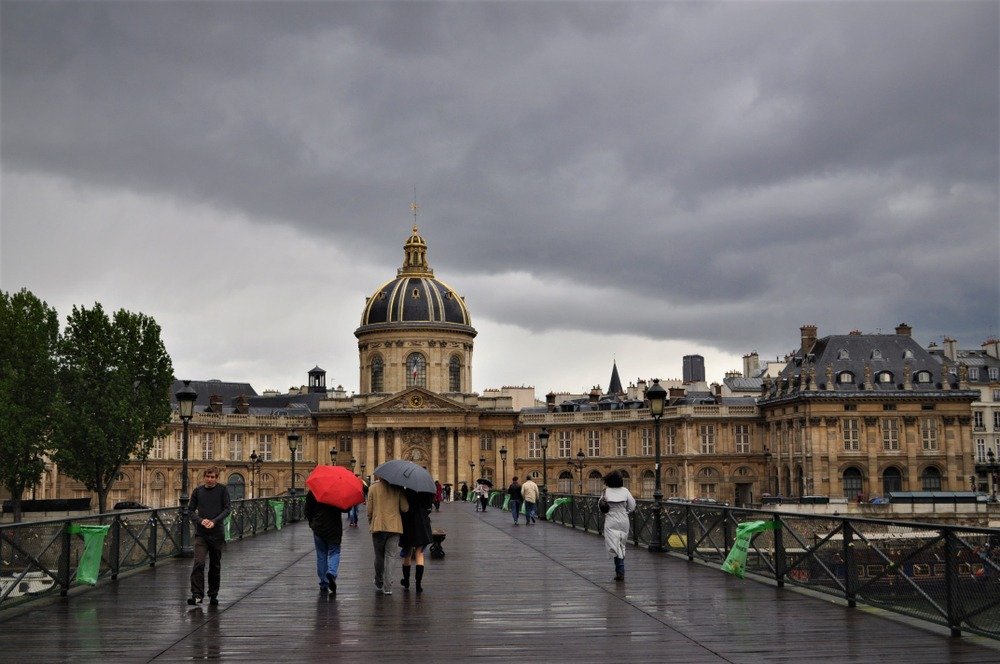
616 521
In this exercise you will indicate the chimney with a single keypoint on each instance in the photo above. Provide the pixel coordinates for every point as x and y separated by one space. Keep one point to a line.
904 330
215 403
550 401
992 348
676 393
595 394
717 392
950 348
751 365
808 337
242 405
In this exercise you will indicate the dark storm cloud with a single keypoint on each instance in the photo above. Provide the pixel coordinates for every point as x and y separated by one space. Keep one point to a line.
717 172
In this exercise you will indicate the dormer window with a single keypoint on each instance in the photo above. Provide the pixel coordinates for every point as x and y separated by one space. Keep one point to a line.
907 354
884 376
845 377
876 354
923 377
842 354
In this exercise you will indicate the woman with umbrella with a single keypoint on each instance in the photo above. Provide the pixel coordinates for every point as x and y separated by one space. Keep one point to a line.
482 491
417 534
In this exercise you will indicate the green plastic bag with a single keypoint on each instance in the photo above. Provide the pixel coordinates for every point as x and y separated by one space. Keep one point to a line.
558 502
736 561
89 567
279 512
226 528
506 502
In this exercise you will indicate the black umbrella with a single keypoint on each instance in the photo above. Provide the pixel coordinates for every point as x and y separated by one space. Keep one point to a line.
483 480
407 475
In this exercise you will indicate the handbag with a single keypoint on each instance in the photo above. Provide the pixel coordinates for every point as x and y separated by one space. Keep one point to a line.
603 505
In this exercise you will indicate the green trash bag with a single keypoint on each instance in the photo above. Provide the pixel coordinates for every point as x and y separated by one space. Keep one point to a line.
736 561
89 567
506 502
227 528
279 512
558 502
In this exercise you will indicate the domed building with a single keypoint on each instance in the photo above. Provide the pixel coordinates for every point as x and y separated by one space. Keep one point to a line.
415 344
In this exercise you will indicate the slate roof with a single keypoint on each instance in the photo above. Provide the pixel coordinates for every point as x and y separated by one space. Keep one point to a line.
206 389
615 386
865 356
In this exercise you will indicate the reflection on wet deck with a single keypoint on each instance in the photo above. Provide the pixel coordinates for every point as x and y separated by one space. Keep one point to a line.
543 593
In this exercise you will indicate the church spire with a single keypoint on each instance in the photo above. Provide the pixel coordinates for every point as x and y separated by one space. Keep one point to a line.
615 386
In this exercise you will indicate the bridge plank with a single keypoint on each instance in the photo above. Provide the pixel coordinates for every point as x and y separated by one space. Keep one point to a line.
543 593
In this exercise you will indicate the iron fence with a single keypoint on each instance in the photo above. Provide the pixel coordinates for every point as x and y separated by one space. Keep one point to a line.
40 558
944 574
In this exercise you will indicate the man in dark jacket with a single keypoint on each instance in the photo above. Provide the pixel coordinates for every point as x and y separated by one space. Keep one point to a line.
328 529
514 491
209 506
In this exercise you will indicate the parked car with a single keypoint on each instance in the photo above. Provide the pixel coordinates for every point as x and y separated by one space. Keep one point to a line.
130 505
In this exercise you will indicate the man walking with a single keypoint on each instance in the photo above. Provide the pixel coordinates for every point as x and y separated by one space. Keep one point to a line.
209 506
386 504
514 491
328 529
529 492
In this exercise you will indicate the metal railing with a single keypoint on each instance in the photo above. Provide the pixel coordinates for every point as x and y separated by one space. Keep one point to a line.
39 558
944 574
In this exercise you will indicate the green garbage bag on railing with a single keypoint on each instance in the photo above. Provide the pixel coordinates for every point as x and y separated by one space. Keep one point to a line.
93 546
506 503
227 528
736 561
558 502
279 512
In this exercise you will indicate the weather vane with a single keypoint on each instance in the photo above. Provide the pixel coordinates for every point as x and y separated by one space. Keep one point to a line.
413 206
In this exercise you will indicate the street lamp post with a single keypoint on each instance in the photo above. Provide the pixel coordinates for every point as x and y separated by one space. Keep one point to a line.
472 472
503 459
333 456
657 397
543 439
363 466
293 445
581 459
767 471
352 462
186 397
482 467
255 463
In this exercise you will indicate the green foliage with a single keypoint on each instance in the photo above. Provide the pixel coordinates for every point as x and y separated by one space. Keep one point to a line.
115 376
29 332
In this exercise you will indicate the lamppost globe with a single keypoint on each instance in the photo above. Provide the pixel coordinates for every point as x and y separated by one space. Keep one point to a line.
352 462
657 398
186 397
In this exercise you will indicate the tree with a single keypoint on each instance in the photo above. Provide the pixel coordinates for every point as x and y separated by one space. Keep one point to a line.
115 377
29 333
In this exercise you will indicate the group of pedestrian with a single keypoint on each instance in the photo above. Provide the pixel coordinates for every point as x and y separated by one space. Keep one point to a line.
400 525
525 495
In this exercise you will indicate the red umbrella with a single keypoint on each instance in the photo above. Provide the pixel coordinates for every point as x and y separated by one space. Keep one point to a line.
335 485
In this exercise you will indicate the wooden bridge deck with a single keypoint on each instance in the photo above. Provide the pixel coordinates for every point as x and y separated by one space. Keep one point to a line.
542 594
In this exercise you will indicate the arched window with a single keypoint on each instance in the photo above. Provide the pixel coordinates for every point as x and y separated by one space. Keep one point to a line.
845 377
378 374
931 479
266 485
892 480
454 374
565 482
595 482
648 483
626 478
923 377
416 370
852 481
885 376
237 486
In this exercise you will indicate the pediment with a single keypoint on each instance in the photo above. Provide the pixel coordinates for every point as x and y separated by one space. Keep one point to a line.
416 400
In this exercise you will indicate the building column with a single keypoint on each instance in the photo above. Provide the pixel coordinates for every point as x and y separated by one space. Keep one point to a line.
397 443
435 453
382 433
450 474
370 458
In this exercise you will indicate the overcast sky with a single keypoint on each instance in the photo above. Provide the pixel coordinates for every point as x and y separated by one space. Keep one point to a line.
603 182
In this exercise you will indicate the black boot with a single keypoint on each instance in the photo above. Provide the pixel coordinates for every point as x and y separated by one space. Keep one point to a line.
420 577
405 582
619 569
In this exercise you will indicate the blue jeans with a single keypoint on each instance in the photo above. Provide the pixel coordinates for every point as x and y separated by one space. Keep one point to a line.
515 507
530 511
352 515
327 559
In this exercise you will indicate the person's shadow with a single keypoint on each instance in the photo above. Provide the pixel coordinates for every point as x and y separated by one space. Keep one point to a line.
327 620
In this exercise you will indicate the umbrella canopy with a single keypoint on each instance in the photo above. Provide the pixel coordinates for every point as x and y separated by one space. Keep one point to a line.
335 485
407 475
483 480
